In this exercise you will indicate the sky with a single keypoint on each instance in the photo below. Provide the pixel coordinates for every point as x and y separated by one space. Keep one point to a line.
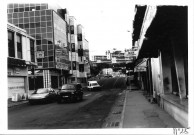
107 23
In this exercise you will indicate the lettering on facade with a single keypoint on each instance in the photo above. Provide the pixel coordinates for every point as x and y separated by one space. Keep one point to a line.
16 87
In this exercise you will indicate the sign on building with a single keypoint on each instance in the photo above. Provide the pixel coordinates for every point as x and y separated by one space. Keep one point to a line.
39 54
140 69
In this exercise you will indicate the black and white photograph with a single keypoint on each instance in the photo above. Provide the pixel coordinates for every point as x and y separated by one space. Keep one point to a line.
97 67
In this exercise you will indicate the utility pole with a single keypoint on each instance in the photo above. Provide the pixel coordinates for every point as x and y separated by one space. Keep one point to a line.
33 73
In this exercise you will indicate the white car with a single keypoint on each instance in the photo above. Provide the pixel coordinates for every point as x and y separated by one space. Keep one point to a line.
93 85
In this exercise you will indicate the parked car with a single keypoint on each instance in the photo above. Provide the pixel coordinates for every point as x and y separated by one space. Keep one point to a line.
108 76
93 85
43 95
70 92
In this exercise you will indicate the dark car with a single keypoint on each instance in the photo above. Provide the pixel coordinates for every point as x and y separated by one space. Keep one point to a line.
42 95
70 92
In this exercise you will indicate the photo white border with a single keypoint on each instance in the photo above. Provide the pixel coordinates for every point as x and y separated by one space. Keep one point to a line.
3 82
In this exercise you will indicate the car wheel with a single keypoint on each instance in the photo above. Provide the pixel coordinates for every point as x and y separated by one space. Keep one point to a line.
78 98
30 102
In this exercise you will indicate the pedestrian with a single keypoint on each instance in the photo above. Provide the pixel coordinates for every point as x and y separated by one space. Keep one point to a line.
128 83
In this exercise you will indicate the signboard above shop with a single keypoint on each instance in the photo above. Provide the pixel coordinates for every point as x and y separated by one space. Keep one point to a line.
139 69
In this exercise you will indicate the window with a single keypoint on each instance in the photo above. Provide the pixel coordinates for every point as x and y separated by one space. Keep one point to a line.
51 58
32 50
37 7
21 26
73 47
19 46
50 41
74 65
37 13
21 9
72 29
26 25
11 48
27 8
80 52
79 37
16 9
81 67
26 14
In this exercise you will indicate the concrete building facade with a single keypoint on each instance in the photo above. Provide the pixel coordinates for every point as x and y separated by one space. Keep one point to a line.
163 52
56 42
42 22
21 57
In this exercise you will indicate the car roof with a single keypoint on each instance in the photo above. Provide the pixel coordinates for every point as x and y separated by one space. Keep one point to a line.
71 84
92 81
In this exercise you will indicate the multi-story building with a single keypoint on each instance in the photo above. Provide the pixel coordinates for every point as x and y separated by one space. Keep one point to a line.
21 57
82 58
99 57
73 55
87 58
118 56
56 42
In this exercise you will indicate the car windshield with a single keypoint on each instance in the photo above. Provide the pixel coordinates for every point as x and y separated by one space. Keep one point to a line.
93 84
41 91
68 87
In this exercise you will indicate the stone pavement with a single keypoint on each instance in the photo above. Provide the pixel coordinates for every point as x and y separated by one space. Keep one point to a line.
138 112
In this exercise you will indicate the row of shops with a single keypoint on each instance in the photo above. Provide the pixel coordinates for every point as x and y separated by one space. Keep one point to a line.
162 61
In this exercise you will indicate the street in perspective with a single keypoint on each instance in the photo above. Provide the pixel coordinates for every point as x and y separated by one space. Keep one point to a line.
59 78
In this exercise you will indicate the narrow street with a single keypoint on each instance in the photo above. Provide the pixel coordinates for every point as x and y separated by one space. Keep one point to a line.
89 113
98 65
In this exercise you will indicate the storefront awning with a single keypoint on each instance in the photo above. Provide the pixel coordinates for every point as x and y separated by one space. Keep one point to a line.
16 62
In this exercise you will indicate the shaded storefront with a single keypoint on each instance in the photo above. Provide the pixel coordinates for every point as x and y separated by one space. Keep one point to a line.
163 40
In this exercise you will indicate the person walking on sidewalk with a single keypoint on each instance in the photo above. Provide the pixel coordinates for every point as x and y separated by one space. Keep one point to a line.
128 83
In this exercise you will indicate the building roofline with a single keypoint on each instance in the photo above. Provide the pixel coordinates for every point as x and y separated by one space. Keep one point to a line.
19 30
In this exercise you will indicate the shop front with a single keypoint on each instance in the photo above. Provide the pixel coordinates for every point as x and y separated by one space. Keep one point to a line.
17 83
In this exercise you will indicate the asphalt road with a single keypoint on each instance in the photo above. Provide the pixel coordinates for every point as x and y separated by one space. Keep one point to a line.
113 83
89 113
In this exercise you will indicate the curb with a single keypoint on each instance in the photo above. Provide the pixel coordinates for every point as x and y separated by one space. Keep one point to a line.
14 104
123 111
114 119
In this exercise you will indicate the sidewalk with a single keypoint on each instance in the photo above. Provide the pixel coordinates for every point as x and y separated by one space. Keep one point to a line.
138 112
16 103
